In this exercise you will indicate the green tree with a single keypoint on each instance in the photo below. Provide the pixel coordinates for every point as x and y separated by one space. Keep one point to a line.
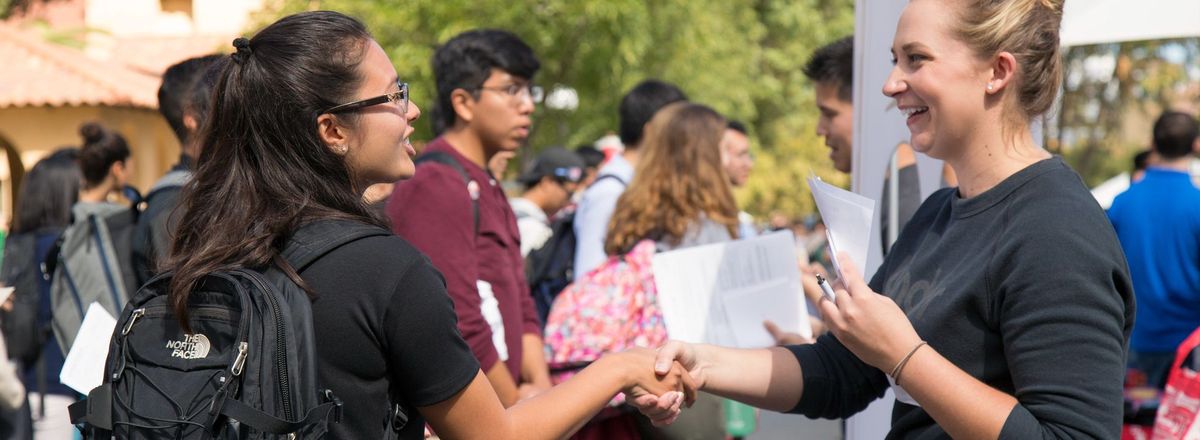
741 57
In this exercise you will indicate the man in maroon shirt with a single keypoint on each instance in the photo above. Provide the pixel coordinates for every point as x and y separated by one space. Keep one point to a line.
459 215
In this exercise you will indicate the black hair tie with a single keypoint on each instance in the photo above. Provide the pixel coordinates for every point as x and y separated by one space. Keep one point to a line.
243 50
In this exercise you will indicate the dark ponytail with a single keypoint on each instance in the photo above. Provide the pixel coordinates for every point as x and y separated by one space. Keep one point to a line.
263 171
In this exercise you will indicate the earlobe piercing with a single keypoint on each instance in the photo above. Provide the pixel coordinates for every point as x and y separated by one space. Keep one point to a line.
989 87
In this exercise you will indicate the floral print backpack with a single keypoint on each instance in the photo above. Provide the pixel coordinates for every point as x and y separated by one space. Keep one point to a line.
611 308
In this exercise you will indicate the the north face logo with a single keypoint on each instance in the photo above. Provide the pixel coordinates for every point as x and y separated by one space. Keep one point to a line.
191 347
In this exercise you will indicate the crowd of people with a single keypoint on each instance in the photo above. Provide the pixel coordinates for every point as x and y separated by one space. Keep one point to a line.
1005 304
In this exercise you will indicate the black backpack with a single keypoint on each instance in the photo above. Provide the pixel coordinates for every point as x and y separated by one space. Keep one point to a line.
24 336
551 268
248 370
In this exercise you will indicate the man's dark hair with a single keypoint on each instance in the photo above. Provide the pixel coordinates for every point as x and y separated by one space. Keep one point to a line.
834 64
467 60
199 99
1175 134
592 158
174 93
263 169
639 106
48 192
738 126
101 149
1140 160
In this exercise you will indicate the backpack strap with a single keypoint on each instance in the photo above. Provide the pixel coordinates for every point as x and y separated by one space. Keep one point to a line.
314 240
613 177
445 159
172 180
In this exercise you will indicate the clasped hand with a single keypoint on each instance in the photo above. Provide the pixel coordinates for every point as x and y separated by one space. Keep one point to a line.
660 393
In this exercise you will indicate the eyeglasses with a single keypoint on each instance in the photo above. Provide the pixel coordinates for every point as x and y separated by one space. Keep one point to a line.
517 92
400 96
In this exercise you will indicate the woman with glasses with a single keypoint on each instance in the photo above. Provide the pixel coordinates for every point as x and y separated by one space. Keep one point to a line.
305 116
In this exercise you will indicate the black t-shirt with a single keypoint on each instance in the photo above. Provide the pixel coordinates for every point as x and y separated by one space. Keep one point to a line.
1024 287
383 322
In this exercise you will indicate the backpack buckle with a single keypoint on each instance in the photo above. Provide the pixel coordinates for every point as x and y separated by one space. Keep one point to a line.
399 418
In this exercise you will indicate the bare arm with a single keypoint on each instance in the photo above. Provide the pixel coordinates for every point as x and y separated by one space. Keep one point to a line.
535 374
500 380
766 378
476 413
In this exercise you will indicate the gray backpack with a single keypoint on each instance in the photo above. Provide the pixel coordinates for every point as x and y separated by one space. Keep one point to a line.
91 263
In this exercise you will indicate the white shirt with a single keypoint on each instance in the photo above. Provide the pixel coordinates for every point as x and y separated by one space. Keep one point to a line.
532 224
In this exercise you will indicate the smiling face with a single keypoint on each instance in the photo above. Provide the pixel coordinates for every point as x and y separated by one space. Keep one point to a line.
938 82
379 150
735 155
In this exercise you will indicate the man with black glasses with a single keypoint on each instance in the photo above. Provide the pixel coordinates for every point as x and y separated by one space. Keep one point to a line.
456 212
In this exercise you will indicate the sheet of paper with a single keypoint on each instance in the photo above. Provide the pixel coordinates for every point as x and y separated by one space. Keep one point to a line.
84 366
847 218
721 293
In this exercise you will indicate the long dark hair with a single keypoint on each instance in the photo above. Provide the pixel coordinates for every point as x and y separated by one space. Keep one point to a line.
263 171
48 192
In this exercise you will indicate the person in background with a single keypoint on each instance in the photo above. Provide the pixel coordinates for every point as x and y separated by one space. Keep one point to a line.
183 100
43 211
549 184
486 99
1016 333
105 163
735 155
498 165
593 159
600 199
1140 162
1158 222
680 197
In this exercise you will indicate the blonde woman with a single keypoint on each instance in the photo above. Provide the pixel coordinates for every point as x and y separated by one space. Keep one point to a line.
1004 310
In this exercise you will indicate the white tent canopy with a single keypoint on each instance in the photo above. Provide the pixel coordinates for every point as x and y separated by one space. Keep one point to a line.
1109 21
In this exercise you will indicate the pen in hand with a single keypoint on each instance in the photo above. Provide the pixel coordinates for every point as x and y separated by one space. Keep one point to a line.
826 289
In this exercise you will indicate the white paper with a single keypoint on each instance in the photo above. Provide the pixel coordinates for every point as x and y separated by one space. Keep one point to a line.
6 292
84 366
847 217
721 293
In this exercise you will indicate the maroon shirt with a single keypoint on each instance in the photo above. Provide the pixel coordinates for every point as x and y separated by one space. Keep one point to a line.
432 210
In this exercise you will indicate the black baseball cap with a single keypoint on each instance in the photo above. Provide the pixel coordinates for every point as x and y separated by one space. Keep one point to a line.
556 162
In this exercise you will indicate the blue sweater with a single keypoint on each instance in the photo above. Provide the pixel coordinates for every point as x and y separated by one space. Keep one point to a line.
1158 223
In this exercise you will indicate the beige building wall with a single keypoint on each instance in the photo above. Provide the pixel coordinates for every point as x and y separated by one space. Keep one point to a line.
147 17
37 131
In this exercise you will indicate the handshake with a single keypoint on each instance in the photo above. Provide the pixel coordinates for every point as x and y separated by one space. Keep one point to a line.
667 380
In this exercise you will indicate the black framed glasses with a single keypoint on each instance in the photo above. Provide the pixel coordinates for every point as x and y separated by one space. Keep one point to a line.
399 96
516 92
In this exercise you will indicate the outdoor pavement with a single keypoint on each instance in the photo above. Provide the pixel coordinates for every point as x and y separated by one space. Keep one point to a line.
776 426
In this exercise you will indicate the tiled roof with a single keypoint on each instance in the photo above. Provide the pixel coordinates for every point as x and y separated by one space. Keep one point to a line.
40 73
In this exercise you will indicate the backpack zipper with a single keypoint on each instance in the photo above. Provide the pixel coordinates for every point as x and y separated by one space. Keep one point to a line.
280 346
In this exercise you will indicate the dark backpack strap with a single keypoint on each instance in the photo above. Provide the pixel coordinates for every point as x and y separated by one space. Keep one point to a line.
264 422
445 159
314 240
613 177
